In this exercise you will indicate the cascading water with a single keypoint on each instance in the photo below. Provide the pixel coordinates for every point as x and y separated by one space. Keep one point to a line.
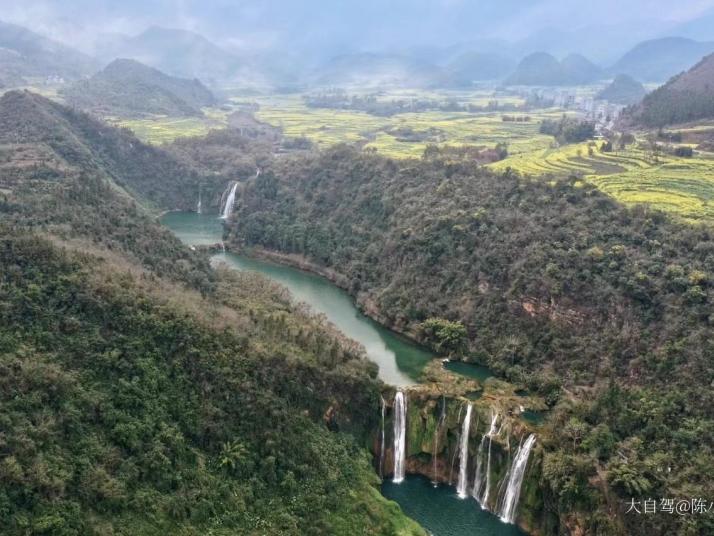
464 454
439 424
482 488
381 445
227 209
198 206
400 435
453 458
478 476
509 502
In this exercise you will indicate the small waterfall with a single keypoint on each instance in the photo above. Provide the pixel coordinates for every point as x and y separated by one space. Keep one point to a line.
453 458
381 444
439 424
509 502
230 199
400 435
464 454
482 485
198 206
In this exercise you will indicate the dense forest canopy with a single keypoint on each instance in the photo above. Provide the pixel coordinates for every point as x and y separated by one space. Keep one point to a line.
144 392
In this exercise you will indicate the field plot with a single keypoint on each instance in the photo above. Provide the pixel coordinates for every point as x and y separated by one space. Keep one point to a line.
158 130
326 126
684 186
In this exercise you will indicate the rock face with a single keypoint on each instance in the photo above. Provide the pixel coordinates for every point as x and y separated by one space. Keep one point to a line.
434 426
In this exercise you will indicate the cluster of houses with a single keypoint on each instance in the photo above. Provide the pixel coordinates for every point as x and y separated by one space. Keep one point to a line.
602 112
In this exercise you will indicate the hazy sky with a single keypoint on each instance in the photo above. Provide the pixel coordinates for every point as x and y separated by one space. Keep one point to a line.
361 24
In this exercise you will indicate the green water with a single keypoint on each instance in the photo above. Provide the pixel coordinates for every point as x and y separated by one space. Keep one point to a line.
533 417
194 229
440 511
470 370
400 361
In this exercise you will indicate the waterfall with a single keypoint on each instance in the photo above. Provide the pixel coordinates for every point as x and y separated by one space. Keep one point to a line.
453 458
198 206
227 209
509 503
381 444
400 435
482 488
478 476
464 454
439 424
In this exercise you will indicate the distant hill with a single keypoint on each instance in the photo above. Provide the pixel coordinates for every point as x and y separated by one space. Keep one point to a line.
372 70
577 69
657 60
127 88
475 66
623 90
176 52
24 53
542 69
686 97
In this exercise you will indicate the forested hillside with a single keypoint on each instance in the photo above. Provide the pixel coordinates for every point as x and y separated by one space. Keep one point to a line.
686 97
55 136
603 310
142 391
127 88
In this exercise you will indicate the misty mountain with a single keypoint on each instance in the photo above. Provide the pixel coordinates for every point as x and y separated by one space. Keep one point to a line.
379 70
127 88
700 28
657 60
542 69
24 53
477 66
686 97
603 42
623 90
177 52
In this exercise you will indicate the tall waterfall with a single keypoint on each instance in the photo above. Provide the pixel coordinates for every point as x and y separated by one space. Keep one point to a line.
509 502
439 424
464 454
227 209
381 444
453 458
400 435
482 485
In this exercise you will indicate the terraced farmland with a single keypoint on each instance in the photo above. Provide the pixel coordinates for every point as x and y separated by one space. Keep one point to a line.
684 186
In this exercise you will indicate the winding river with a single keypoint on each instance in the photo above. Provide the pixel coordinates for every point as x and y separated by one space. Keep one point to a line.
437 509
400 361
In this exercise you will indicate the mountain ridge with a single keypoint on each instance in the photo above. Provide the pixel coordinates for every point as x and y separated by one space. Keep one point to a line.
128 88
